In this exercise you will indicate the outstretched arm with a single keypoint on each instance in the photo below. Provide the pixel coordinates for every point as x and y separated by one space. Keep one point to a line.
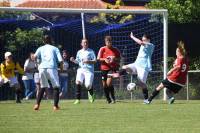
136 39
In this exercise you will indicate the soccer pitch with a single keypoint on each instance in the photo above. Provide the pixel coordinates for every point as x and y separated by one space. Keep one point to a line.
99 117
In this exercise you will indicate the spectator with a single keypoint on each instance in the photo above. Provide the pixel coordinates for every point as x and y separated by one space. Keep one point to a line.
64 75
29 69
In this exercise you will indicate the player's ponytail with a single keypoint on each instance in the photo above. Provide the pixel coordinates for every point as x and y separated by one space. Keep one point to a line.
181 47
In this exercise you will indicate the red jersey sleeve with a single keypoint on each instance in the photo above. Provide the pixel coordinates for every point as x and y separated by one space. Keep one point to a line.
100 54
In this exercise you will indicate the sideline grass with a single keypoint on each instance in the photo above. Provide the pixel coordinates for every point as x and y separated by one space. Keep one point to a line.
99 117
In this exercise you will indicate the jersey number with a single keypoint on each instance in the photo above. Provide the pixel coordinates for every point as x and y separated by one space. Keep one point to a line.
183 69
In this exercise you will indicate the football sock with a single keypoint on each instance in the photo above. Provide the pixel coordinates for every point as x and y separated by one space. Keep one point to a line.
91 91
145 93
40 95
154 93
106 91
18 95
78 91
112 92
56 96
169 93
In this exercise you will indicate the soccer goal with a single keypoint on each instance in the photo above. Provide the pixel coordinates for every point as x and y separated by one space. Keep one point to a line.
22 30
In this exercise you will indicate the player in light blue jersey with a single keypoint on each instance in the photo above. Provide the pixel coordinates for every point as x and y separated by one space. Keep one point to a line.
49 56
86 59
142 65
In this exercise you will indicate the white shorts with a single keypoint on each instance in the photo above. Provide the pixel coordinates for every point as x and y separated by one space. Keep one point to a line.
12 81
142 74
83 74
46 74
36 78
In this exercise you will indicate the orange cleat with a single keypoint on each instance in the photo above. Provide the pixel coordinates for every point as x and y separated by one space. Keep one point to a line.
55 108
36 107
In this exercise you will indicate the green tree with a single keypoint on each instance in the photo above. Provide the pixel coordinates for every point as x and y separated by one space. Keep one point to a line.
19 39
180 11
112 18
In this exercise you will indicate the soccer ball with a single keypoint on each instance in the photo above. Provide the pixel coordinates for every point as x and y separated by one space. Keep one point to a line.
131 86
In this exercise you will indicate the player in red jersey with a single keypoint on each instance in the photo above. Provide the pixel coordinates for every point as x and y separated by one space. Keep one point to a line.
176 77
109 58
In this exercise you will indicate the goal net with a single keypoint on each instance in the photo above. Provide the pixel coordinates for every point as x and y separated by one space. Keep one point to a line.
22 30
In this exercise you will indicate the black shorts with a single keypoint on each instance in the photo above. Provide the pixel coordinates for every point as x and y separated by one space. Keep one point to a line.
171 86
104 73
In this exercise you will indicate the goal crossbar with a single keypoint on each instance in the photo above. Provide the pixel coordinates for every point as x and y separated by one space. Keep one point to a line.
78 10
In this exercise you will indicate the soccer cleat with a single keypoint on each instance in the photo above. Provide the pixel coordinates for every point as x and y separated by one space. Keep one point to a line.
113 102
77 101
26 98
114 75
55 108
36 107
146 101
171 100
91 97
109 101
61 95
18 101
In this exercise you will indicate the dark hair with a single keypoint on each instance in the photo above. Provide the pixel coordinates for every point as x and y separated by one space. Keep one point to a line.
30 54
108 38
84 39
147 36
47 39
64 51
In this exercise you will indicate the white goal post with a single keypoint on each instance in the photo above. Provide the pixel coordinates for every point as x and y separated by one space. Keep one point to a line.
162 12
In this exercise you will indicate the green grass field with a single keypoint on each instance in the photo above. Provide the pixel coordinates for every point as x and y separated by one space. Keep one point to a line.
99 117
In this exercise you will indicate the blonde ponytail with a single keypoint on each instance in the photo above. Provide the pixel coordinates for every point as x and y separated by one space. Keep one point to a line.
181 47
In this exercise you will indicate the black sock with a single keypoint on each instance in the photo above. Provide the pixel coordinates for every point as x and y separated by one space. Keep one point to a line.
18 95
78 91
112 92
122 72
169 93
145 93
91 91
154 93
106 91
56 96
40 95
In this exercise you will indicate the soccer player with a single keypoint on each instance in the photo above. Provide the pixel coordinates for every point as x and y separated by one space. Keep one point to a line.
8 68
176 77
86 59
109 58
49 56
142 64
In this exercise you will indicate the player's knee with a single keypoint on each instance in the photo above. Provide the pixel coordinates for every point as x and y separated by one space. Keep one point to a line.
124 67
78 83
141 84
88 86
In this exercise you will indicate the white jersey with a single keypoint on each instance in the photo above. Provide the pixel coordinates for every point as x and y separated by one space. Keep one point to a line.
143 59
86 54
